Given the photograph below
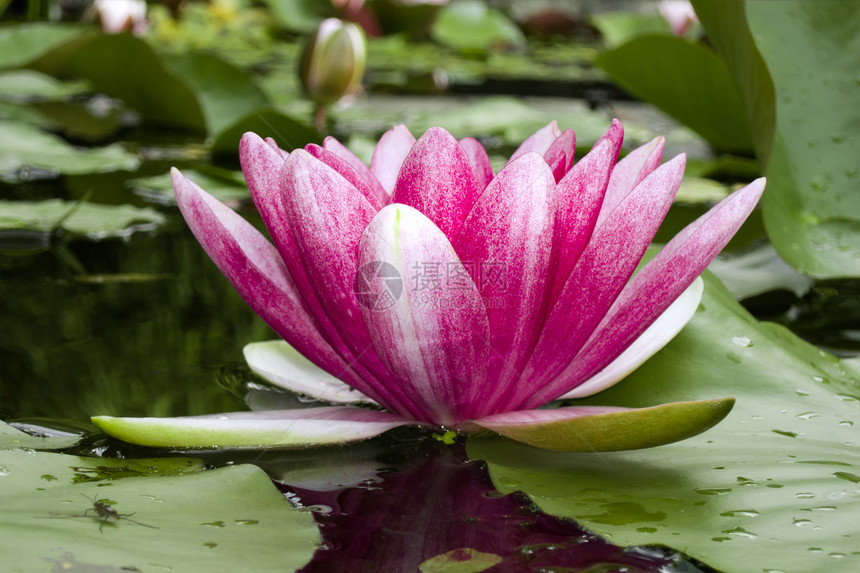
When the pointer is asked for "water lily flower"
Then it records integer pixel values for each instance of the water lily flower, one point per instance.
(679, 14)
(447, 295)
(118, 16)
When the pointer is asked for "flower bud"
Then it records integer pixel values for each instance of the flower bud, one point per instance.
(118, 16)
(332, 63)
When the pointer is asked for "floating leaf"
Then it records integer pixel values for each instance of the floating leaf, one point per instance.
(618, 28)
(728, 32)
(184, 519)
(21, 44)
(464, 560)
(812, 207)
(767, 489)
(126, 67)
(225, 92)
(14, 439)
(299, 15)
(287, 132)
(27, 85)
(227, 186)
(24, 147)
(90, 220)
(470, 25)
(688, 81)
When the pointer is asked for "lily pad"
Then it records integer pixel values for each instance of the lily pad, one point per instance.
(24, 147)
(774, 487)
(127, 68)
(299, 15)
(287, 132)
(183, 519)
(14, 439)
(21, 44)
(812, 208)
(90, 220)
(728, 31)
(617, 28)
(688, 81)
(24, 85)
(470, 25)
(225, 185)
(225, 92)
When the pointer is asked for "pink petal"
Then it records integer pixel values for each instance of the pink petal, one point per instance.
(629, 172)
(287, 429)
(479, 159)
(539, 141)
(607, 429)
(433, 337)
(659, 283)
(262, 166)
(343, 167)
(390, 152)
(655, 337)
(344, 153)
(615, 134)
(327, 215)
(601, 272)
(256, 271)
(273, 144)
(560, 154)
(580, 195)
(505, 244)
(437, 179)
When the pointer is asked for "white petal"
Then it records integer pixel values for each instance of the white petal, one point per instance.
(283, 366)
(658, 335)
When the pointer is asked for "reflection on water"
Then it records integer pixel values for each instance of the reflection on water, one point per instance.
(424, 507)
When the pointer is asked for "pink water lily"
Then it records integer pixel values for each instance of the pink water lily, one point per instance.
(452, 296)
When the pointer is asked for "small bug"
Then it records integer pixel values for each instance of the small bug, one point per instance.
(107, 512)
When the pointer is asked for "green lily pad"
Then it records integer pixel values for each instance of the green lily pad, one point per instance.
(299, 15)
(618, 28)
(464, 560)
(812, 207)
(127, 68)
(14, 439)
(225, 92)
(287, 132)
(183, 519)
(470, 25)
(21, 44)
(688, 81)
(90, 220)
(225, 185)
(774, 487)
(728, 32)
(18, 85)
(698, 190)
(511, 119)
(25, 147)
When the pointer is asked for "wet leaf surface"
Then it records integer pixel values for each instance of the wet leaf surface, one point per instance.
(162, 514)
(766, 489)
